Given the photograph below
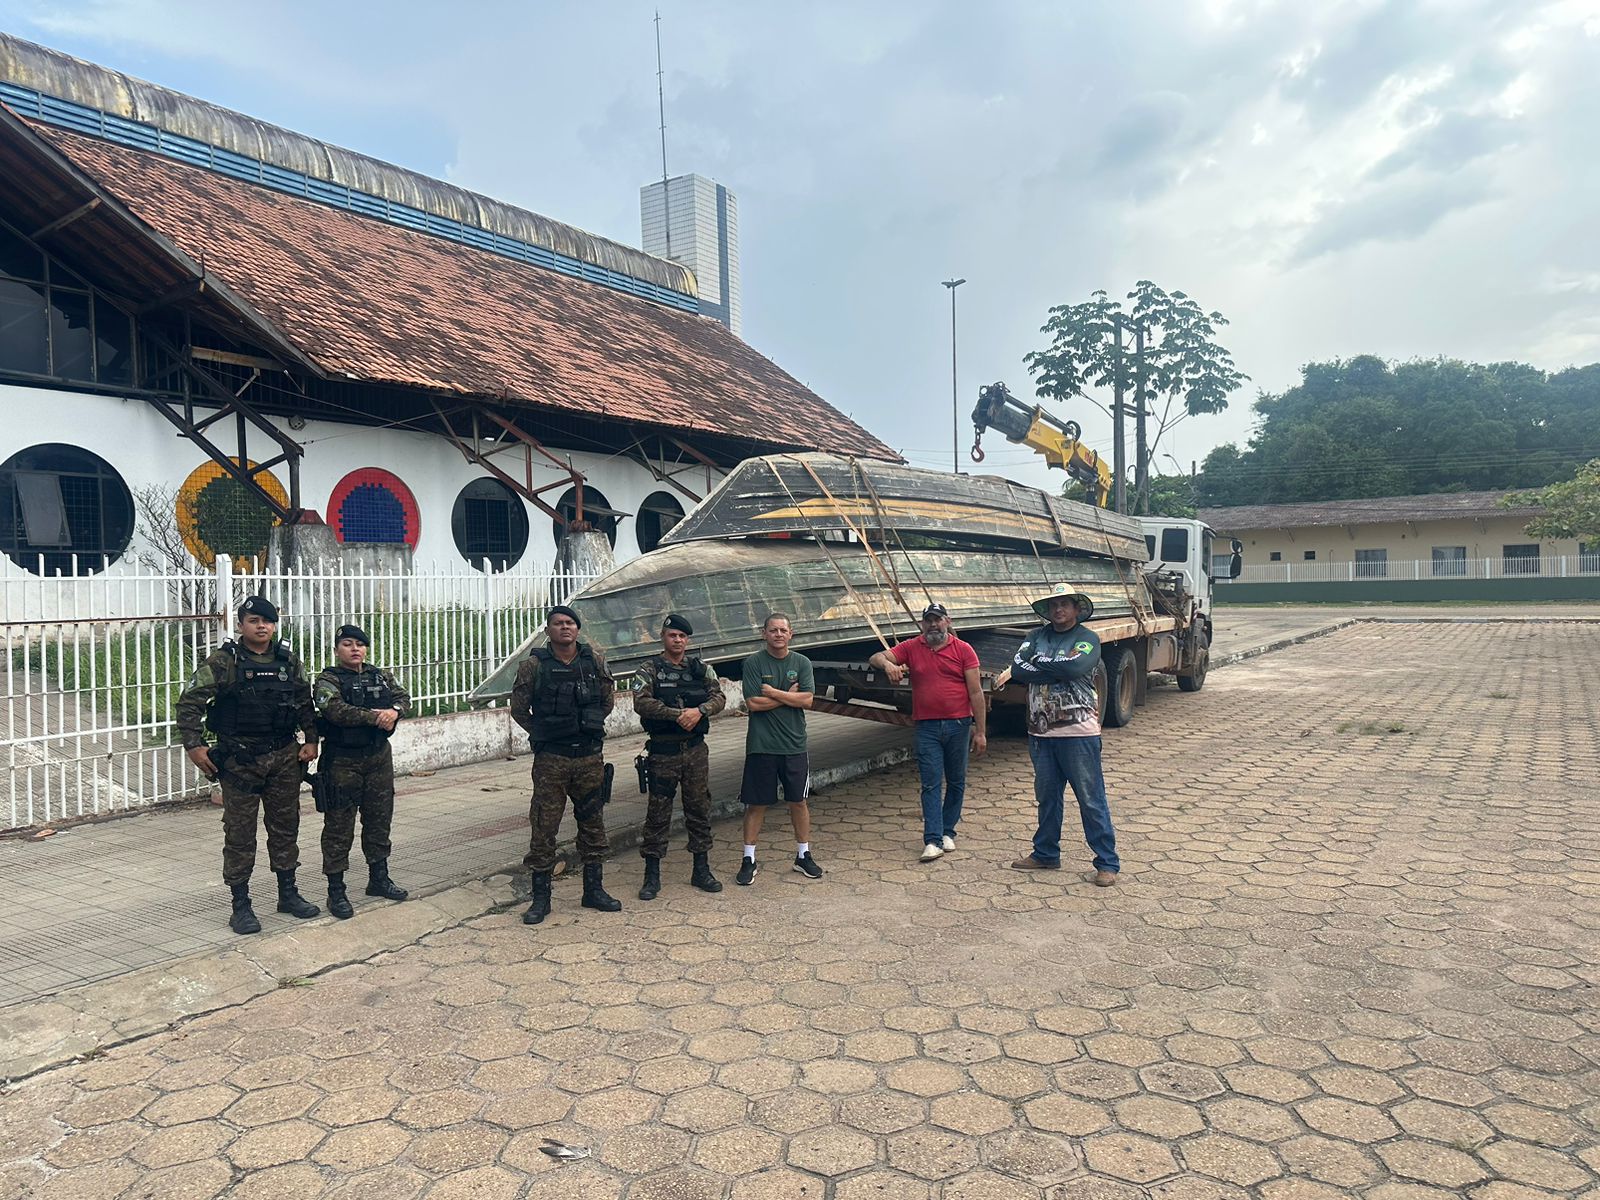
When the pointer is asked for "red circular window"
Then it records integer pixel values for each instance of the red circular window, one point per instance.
(373, 505)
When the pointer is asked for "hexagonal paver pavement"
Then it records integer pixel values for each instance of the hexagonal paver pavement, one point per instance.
(1347, 957)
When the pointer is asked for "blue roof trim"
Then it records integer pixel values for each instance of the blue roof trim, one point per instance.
(112, 128)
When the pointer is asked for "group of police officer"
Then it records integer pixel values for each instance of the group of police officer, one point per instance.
(268, 722)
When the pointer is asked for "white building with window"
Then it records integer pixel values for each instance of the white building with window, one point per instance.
(255, 328)
(695, 221)
(1446, 539)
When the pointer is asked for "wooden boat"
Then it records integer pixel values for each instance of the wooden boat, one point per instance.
(893, 504)
(852, 552)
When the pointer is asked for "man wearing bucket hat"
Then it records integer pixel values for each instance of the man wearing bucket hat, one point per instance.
(1057, 662)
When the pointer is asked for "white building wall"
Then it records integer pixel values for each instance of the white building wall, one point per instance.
(145, 449)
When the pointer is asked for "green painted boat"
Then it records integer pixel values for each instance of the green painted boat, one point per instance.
(811, 565)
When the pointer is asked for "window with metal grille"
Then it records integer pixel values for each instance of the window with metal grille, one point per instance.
(53, 324)
(597, 511)
(1449, 560)
(63, 510)
(1521, 559)
(1372, 564)
(489, 523)
(657, 515)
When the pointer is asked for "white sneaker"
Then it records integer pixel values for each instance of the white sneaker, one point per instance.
(931, 852)
(949, 842)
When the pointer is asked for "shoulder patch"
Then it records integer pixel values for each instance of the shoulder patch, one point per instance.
(1083, 647)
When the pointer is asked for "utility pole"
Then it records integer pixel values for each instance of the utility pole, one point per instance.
(955, 395)
(1119, 453)
(1141, 467)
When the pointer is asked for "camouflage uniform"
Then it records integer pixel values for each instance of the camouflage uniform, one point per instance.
(360, 779)
(255, 771)
(677, 758)
(561, 772)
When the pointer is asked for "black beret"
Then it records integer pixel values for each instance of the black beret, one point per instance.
(352, 631)
(258, 606)
(563, 610)
(674, 621)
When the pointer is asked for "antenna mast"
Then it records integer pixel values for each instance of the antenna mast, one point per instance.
(661, 103)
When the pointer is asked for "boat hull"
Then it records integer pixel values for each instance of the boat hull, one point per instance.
(891, 504)
(832, 595)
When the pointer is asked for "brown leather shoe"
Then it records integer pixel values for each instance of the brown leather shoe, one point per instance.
(1104, 878)
(1033, 864)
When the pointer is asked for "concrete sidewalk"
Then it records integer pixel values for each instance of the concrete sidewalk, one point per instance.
(101, 900)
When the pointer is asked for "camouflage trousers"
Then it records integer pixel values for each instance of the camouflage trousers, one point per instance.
(688, 769)
(364, 784)
(269, 783)
(555, 781)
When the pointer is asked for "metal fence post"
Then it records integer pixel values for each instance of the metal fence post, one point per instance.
(493, 658)
(224, 571)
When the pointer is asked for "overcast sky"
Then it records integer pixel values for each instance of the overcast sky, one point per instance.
(1399, 178)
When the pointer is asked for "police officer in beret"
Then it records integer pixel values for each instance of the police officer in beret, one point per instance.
(675, 697)
(358, 706)
(253, 695)
(562, 696)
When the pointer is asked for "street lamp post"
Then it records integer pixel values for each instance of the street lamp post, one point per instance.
(955, 395)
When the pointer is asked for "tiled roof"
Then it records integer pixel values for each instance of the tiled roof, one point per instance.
(365, 300)
(1441, 506)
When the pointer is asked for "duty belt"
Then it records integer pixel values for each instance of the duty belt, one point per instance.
(667, 747)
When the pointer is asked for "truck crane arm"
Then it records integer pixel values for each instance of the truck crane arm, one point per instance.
(1056, 440)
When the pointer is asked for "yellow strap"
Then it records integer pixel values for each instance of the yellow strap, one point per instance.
(843, 578)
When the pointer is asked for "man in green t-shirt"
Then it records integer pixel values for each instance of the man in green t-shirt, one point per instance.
(777, 691)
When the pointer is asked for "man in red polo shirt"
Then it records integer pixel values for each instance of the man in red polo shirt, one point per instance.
(948, 706)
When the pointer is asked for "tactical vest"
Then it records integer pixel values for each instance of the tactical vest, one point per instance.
(358, 689)
(568, 709)
(261, 701)
(682, 686)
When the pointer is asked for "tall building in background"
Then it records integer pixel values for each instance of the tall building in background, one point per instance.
(705, 238)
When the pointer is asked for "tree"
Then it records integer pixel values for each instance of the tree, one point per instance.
(1362, 427)
(1162, 349)
(1571, 508)
(1170, 495)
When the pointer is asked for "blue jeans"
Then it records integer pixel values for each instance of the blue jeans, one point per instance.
(942, 748)
(1057, 763)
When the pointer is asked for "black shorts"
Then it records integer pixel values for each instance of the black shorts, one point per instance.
(764, 773)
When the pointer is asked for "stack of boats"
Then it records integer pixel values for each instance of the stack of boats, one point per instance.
(851, 550)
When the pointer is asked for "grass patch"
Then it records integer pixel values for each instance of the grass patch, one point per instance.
(1371, 728)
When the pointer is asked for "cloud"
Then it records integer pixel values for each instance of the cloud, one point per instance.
(1335, 178)
(1403, 209)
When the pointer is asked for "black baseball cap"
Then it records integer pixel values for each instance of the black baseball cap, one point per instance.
(935, 610)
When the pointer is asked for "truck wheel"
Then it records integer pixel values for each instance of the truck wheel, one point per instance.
(1100, 690)
(1122, 672)
(1196, 679)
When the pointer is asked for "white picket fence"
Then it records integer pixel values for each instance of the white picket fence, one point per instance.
(94, 663)
(1549, 567)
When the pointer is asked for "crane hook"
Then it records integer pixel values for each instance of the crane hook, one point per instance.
(977, 448)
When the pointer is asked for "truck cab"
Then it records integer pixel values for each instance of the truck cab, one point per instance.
(1190, 547)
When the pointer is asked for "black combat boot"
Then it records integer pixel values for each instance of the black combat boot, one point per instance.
(702, 877)
(379, 883)
(540, 908)
(594, 895)
(338, 898)
(244, 918)
(651, 887)
(291, 901)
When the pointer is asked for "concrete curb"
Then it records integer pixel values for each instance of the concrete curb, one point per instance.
(38, 1035)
